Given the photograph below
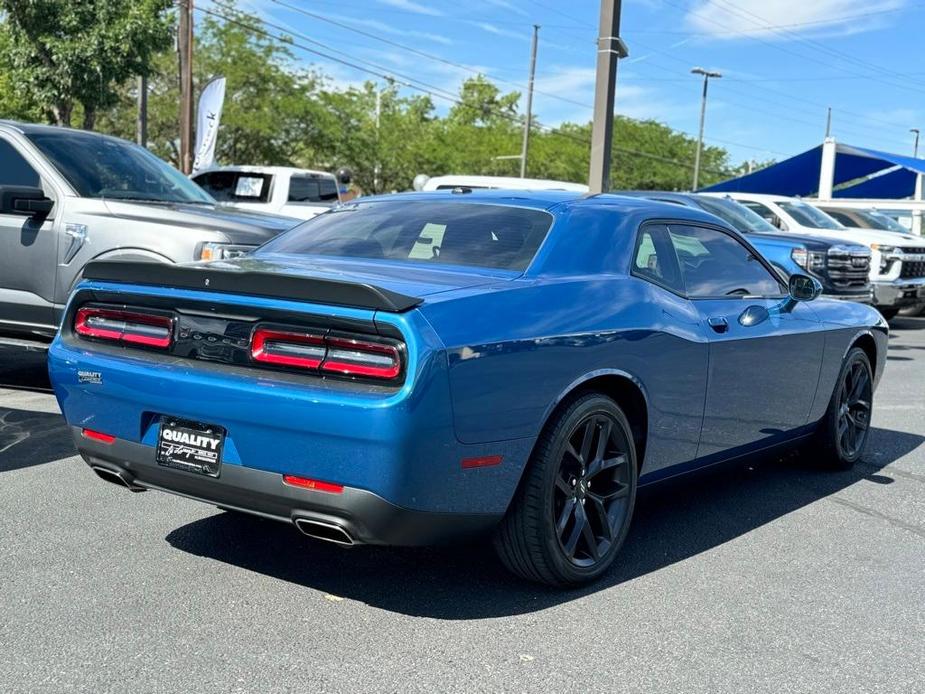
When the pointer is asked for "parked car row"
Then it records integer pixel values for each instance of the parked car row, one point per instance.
(897, 270)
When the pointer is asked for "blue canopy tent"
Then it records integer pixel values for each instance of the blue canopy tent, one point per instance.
(871, 173)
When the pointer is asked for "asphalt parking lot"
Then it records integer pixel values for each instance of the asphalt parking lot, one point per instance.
(770, 577)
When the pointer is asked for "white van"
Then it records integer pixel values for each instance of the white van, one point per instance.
(501, 182)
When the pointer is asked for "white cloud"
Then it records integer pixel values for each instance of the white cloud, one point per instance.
(509, 6)
(412, 6)
(498, 31)
(749, 18)
(385, 28)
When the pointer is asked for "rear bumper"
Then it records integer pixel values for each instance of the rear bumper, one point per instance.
(900, 293)
(366, 517)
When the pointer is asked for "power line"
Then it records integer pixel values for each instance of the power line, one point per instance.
(248, 26)
(418, 52)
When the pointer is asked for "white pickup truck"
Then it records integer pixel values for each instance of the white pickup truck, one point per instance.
(298, 193)
(897, 264)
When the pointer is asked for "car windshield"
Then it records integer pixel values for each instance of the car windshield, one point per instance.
(491, 236)
(878, 220)
(738, 216)
(104, 167)
(808, 216)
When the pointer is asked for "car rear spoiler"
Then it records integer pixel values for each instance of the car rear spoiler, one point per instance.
(268, 284)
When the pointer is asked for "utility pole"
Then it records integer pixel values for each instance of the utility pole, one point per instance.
(610, 48)
(529, 122)
(915, 147)
(828, 123)
(141, 127)
(707, 74)
(185, 49)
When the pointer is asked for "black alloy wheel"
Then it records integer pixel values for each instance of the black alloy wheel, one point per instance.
(854, 401)
(590, 501)
(845, 429)
(572, 510)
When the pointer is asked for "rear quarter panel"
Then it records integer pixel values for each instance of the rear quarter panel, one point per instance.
(514, 354)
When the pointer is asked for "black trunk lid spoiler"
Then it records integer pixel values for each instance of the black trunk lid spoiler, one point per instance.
(266, 284)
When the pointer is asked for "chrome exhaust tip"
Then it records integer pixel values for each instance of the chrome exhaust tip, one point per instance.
(114, 477)
(329, 532)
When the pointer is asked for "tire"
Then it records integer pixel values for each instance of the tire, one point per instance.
(887, 312)
(555, 530)
(845, 428)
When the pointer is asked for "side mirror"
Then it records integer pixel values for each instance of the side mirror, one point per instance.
(804, 287)
(24, 200)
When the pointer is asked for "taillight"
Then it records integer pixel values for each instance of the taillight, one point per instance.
(124, 326)
(353, 357)
(339, 354)
(284, 348)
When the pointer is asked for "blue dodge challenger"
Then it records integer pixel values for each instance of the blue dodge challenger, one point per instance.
(415, 368)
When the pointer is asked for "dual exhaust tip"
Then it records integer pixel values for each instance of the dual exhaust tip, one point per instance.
(319, 530)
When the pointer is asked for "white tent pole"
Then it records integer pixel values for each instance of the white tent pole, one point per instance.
(827, 169)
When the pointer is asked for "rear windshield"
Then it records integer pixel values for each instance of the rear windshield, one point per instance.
(491, 236)
(316, 189)
(236, 186)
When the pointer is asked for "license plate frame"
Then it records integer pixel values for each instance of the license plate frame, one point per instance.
(193, 447)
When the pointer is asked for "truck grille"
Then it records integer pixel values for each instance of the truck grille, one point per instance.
(913, 268)
(848, 267)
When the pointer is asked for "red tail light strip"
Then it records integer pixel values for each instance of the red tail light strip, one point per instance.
(360, 358)
(304, 350)
(317, 485)
(334, 354)
(97, 436)
(124, 326)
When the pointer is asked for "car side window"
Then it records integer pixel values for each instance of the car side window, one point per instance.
(14, 169)
(763, 211)
(654, 258)
(715, 264)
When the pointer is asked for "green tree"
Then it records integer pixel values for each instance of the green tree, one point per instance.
(271, 111)
(65, 52)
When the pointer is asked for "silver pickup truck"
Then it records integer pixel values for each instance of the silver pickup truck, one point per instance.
(68, 197)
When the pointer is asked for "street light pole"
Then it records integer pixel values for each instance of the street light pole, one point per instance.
(707, 74)
(529, 121)
(610, 48)
(915, 147)
(185, 47)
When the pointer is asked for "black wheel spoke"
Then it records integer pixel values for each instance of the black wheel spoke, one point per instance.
(564, 486)
(588, 533)
(601, 510)
(587, 439)
(571, 544)
(567, 511)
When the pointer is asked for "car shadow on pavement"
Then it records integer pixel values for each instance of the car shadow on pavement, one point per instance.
(673, 522)
(30, 438)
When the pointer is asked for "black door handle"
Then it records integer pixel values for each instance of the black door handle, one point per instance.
(718, 323)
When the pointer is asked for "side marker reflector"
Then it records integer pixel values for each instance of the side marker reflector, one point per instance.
(317, 485)
(483, 461)
(97, 436)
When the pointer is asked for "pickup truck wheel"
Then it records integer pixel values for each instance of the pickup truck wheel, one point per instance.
(573, 508)
(845, 428)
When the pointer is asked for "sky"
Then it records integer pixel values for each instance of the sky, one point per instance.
(783, 62)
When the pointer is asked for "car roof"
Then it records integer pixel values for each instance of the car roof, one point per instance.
(556, 201)
(760, 197)
(36, 128)
(266, 169)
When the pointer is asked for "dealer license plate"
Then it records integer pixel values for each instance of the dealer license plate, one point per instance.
(190, 446)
